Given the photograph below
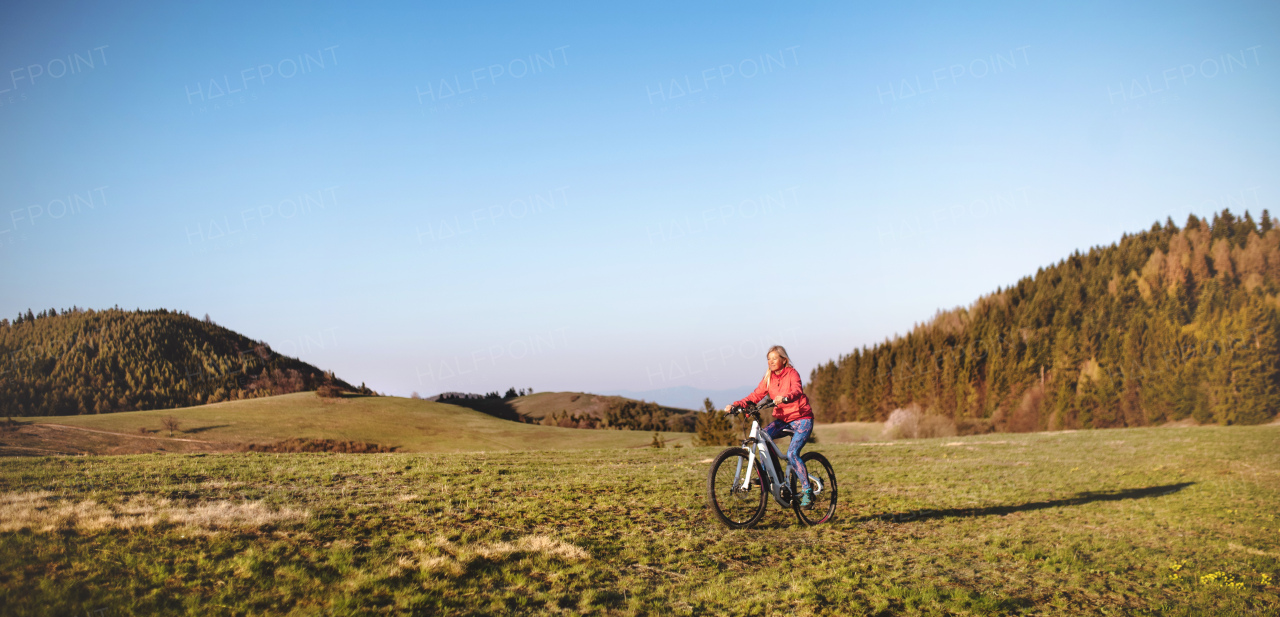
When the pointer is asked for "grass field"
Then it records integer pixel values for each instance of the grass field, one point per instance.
(1161, 521)
(409, 425)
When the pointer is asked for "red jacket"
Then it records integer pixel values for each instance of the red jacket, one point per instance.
(785, 382)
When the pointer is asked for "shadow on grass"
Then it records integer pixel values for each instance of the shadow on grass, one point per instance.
(201, 429)
(497, 407)
(1079, 500)
(10, 424)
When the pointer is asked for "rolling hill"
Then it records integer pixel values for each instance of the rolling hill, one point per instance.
(82, 361)
(407, 425)
(543, 404)
(585, 410)
(575, 410)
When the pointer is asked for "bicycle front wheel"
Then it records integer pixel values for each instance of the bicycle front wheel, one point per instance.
(822, 479)
(737, 507)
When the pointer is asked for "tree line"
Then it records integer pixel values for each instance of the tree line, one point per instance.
(630, 415)
(1167, 324)
(620, 414)
(82, 361)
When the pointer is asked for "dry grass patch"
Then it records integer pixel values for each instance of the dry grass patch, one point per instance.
(456, 557)
(42, 511)
(1250, 550)
(221, 484)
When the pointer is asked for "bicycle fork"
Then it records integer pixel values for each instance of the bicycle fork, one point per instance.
(777, 483)
(751, 463)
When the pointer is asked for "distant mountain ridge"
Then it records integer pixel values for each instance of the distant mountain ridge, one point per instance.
(82, 361)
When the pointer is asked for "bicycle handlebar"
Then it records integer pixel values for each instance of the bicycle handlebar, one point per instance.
(758, 407)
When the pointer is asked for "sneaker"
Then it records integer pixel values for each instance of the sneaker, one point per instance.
(806, 498)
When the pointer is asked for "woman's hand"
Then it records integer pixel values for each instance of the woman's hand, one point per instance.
(728, 408)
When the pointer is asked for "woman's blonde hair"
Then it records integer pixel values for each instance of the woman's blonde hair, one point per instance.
(782, 353)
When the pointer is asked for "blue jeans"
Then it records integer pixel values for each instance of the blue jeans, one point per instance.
(801, 428)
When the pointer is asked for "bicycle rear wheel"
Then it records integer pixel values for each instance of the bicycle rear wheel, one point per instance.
(735, 506)
(822, 478)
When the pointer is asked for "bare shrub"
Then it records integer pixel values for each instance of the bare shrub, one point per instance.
(936, 426)
(975, 426)
(329, 391)
(999, 419)
(170, 424)
(911, 423)
(1026, 418)
(903, 423)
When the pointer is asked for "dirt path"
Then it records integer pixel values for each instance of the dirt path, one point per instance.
(22, 450)
(46, 439)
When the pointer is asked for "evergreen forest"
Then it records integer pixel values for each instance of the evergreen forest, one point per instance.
(82, 361)
(1169, 324)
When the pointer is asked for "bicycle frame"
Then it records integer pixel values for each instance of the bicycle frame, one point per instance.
(779, 476)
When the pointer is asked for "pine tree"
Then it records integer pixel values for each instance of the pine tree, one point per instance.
(714, 428)
(1251, 394)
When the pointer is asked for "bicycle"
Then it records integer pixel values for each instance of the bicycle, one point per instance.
(739, 482)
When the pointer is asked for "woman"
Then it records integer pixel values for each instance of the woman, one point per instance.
(782, 384)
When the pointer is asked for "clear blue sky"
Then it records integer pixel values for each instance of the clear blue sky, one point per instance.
(589, 197)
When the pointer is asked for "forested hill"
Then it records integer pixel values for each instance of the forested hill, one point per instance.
(85, 361)
(1167, 324)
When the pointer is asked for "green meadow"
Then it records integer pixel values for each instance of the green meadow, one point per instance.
(1155, 521)
(407, 425)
